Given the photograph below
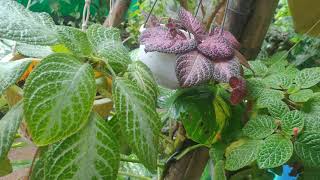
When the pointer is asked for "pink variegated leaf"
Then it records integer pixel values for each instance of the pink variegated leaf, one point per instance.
(193, 69)
(166, 40)
(216, 47)
(192, 24)
(228, 36)
(224, 70)
(239, 90)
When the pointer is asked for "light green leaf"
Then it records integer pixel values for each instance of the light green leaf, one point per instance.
(91, 153)
(75, 40)
(138, 114)
(142, 76)
(268, 97)
(255, 87)
(11, 72)
(134, 54)
(275, 151)
(242, 153)
(5, 166)
(307, 147)
(34, 51)
(279, 80)
(107, 44)
(24, 26)
(9, 125)
(308, 77)
(278, 108)
(219, 172)
(279, 56)
(260, 127)
(58, 98)
(292, 119)
(258, 67)
(279, 66)
(311, 123)
(302, 96)
(216, 151)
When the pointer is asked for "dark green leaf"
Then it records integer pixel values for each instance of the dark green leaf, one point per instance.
(268, 97)
(58, 98)
(278, 109)
(291, 120)
(219, 172)
(275, 151)
(307, 147)
(5, 166)
(260, 127)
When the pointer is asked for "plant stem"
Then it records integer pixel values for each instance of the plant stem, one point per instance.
(189, 149)
(111, 70)
(33, 161)
(224, 18)
(133, 175)
(154, 4)
(125, 159)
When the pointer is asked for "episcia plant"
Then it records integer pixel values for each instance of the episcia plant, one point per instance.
(86, 105)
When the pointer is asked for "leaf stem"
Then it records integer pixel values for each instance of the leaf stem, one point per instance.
(111, 70)
(189, 149)
(131, 160)
(133, 175)
(33, 161)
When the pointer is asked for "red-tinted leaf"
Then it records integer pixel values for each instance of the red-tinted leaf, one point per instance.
(239, 91)
(224, 70)
(162, 39)
(216, 47)
(192, 24)
(228, 35)
(193, 69)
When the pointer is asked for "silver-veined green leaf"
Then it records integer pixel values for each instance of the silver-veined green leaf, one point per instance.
(107, 44)
(75, 40)
(58, 98)
(307, 147)
(277, 108)
(275, 151)
(9, 125)
(302, 96)
(24, 26)
(308, 77)
(138, 114)
(242, 153)
(91, 153)
(291, 120)
(268, 96)
(34, 51)
(142, 76)
(260, 127)
(11, 72)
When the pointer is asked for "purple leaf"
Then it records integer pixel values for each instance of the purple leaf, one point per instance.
(192, 24)
(224, 70)
(166, 40)
(216, 47)
(228, 36)
(239, 90)
(193, 69)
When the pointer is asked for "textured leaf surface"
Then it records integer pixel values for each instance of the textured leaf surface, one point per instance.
(219, 171)
(308, 77)
(277, 109)
(10, 73)
(91, 153)
(35, 51)
(75, 40)
(242, 153)
(191, 23)
(292, 119)
(228, 36)
(193, 69)
(139, 73)
(162, 40)
(279, 80)
(259, 68)
(268, 97)
(217, 48)
(25, 26)
(302, 96)
(58, 98)
(224, 70)
(275, 151)
(138, 114)
(260, 127)
(107, 44)
(9, 125)
(239, 89)
(307, 148)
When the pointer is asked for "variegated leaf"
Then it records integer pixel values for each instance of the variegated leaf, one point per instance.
(224, 70)
(193, 69)
(217, 48)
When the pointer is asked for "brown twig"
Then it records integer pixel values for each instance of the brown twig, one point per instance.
(214, 13)
(33, 161)
(184, 4)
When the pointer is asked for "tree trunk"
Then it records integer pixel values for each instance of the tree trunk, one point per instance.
(117, 13)
(190, 166)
